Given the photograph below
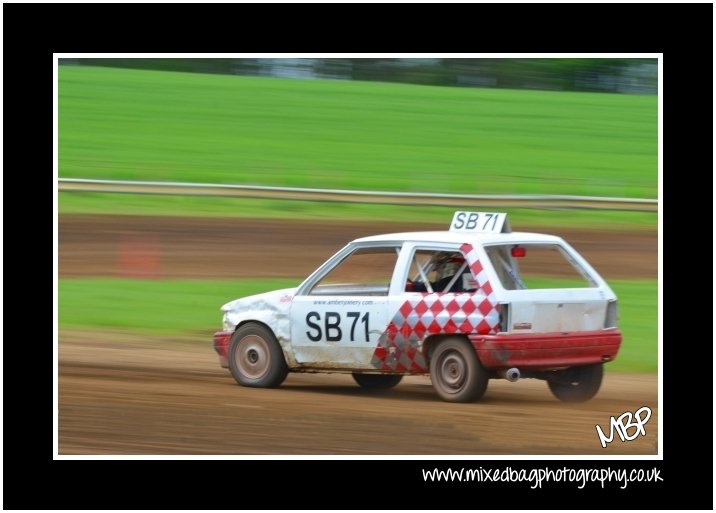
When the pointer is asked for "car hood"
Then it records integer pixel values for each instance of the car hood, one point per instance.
(274, 300)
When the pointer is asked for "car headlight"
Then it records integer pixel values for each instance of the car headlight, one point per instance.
(228, 326)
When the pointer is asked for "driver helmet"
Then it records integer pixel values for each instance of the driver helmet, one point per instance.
(447, 264)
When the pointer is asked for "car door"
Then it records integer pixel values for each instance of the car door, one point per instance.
(339, 315)
(427, 298)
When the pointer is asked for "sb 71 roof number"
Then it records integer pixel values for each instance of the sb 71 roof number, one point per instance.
(482, 222)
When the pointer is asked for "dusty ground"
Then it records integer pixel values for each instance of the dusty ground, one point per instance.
(125, 394)
(129, 395)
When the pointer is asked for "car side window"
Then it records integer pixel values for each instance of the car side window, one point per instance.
(438, 271)
(537, 266)
(364, 272)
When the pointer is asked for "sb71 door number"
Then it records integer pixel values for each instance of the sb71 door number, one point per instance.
(331, 326)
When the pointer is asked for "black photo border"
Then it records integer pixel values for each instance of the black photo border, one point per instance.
(33, 32)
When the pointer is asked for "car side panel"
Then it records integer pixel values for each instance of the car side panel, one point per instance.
(337, 332)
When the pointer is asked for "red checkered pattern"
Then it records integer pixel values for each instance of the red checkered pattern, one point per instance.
(400, 346)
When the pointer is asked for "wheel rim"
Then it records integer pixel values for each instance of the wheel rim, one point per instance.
(452, 372)
(252, 356)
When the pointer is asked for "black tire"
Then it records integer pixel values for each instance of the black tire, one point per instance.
(456, 373)
(377, 381)
(256, 358)
(577, 384)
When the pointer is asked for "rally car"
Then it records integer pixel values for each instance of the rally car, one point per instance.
(474, 303)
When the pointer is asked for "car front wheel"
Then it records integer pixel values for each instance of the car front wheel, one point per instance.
(577, 384)
(256, 358)
(456, 373)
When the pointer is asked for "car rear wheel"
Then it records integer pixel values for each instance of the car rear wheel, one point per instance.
(577, 384)
(456, 373)
(256, 358)
(377, 381)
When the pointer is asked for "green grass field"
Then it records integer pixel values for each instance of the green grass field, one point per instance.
(155, 125)
(189, 307)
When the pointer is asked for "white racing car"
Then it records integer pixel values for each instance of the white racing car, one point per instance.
(465, 306)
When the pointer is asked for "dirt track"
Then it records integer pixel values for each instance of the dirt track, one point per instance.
(247, 248)
(124, 394)
(130, 395)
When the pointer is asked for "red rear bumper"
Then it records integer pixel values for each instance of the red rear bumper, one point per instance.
(547, 350)
(221, 346)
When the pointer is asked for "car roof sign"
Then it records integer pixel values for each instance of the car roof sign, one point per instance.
(480, 222)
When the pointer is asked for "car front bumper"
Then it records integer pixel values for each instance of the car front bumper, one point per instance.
(221, 346)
